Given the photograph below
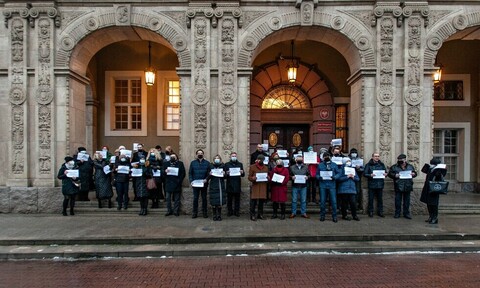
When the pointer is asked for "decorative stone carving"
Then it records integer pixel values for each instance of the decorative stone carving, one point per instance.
(275, 23)
(200, 96)
(179, 43)
(67, 43)
(337, 23)
(228, 129)
(200, 127)
(17, 96)
(91, 24)
(434, 43)
(306, 9)
(122, 14)
(155, 23)
(385, 131)
(363, 43)
(44, 95)
(250, 16)
(460, 22)
(17, 126)
(227, 96)
(228, 30)
(249, 43)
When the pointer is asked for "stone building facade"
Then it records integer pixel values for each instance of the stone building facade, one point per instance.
(53, 91)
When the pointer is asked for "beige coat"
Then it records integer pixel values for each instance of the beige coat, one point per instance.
(259, 189)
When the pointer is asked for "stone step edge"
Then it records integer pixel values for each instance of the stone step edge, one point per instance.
(234, 249)
(241, 239)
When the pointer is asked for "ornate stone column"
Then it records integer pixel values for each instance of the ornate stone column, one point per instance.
(16, 22)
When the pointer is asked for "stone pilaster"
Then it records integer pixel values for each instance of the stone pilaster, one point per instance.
(16, 21)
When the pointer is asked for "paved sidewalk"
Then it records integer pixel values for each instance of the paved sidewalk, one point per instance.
(47, 236)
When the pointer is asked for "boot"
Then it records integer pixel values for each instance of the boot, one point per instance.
(72, 204)
(260, 210)
(141, 212)
(434, 219)
(72, 212)
(219, 213)
(109, 203)
(214, 212)
(100, 204)
(282, 209)
(275, 209)
(65, 205)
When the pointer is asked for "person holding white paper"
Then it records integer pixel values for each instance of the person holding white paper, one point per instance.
(375, 184)
(347, 190)
(140, 153)
(122, 181)
(234, 172)
(173, 184)
(103, 182)
(403, 187)
(300, 174)
(140, 184)
(216, 189)
(434, 172)
(312, 181)
(85, 169)
(279, 190)
(69, 185)
(199, 170)
(357, 163)
(326, 172)
(154, 164)
(258, 192)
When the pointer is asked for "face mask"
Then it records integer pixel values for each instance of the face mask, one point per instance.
(234, 159)
(70, 164)
(279, 165)
(200, 156)
(354, 155)
(299, 162)
(260, 162)
(167, 152)
(173, 159)
(152, 154)
(82, 152)
(123, 159)
(348, 164)
(400, 162)
(276, 158)
(142, 161)
(326, 159)
(310, 150)
(217, 161)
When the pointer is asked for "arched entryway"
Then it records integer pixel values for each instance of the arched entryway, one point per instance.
(112, 105)
(315, 108)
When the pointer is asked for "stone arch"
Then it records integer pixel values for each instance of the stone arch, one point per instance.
(453, 24)
(143, 26)
(345, 34)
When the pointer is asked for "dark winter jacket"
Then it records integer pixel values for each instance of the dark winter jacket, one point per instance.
(402, 185)
(324, 166)
(103, 182)
(346, 185)
(374, 183)
(432, 175)
(199, 170)
(216, 188)
(234, 183)
(173, 183)
(69, 186)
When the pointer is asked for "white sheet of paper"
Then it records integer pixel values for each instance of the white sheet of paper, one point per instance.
(378, 174)
(441, 166)
(217, 172)
(300, 179)
(106, 169)
(172, 171)
(357, 162)
(405, 174)
(326, 175)
(337, 160)
(297, 155)
(112, 159)
(198, 183)
(83, 156)
(278, 178)
(349, 170)
(127, 153)
(286, 163)
(234, 171)
(104, 154)
(72, 173)
(282, 153)
(261, 177)
(336, 142)
(135, 146)
(157, 173)
(310, 157)
(167, 157)
(137, 172)
(123, 169)
(265, 162)
(265, 147)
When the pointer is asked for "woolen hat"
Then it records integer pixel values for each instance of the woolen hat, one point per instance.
(82, 149)
(68, 158)
(435, 161)
(402, 156)
(353, 150)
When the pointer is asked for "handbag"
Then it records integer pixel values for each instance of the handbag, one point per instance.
(438, 187)
(151, 185)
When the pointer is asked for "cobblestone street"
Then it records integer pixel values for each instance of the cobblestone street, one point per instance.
(393, 270)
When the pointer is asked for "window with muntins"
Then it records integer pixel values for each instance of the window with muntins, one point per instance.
(128, 104)
(172, 106)
(445, 147)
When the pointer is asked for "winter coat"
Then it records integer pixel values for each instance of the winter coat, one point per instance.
(295, 170)
(154, 166)
(103, 182)
(312, 168)
(279, 190)
(234, 183)
(173, 183)
(120, 177)
(346, 185)
(254, 155)
(259, 189)
(374, 183)
(69, 187)
(330, 166)
(141, 182)
(216, 189)
(402, 185)
(85, 171)
(199, 170)
(432, 175)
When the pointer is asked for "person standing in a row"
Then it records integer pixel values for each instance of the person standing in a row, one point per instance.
(199, 170)
(217, 187)
(234, 184)
(402, 174)
(279, 189)
(300, 174)
(70, 188)
(326, 172)
(103, 182)
(122, 178)
(375, 183)
(258, 192)
(347, 190)
(174, 173)
(432, 199)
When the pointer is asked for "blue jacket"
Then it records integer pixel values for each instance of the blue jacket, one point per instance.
(327, 167)
(346, 185)
(198, 170)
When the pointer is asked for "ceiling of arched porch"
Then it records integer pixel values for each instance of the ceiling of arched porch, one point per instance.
(86, 49)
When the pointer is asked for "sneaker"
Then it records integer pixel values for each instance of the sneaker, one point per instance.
(305, 216)
(292, 216)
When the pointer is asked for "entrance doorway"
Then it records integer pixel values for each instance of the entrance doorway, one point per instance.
(289, 137)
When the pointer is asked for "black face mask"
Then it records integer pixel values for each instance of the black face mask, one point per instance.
(200, 156)
(299, 162)
(173, 159)
(326, 159)
(400, 162)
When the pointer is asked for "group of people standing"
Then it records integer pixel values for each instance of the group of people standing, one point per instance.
(337, 176)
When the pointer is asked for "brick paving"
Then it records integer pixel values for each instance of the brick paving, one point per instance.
(394, 270)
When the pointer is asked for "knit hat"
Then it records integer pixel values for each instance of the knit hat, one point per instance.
(80, 149)
(310, 148)
(402, 156)
(68, 158)
(353, 150)
(434, 161)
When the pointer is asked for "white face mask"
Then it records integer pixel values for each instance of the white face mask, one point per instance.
(234, 159)
(70, 164)
(354, 155)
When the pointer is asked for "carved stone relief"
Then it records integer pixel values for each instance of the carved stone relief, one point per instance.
(306, 9)
(122, 14)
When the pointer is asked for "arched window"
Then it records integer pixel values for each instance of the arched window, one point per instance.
(286, 97)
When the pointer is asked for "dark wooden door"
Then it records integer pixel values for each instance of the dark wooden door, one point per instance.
(289, 136)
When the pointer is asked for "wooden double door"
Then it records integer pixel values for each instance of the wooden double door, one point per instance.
(288, 136)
